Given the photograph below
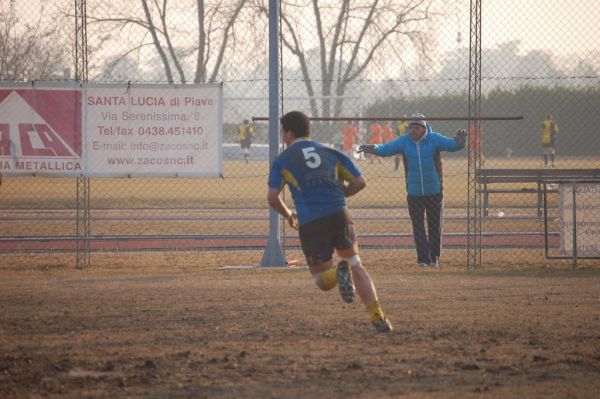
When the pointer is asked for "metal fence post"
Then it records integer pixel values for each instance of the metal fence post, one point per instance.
(83, 182)
(273, 255)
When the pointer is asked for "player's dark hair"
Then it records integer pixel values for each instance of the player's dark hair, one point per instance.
(297, 122)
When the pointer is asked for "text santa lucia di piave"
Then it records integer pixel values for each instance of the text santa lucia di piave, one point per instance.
(148, 101)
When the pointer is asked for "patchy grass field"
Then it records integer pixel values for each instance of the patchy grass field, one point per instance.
(174, 325)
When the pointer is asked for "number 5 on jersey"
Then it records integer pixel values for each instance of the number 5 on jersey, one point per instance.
(313, 160)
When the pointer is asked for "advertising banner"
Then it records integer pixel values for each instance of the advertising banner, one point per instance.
(111, 130)
(153, 130)
(41, 130)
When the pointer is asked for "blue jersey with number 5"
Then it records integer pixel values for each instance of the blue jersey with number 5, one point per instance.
(314, 174)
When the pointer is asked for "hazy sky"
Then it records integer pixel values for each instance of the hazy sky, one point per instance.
(561, 26)
(558, 25)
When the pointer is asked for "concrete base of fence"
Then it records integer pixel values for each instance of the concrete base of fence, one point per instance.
(288, 266)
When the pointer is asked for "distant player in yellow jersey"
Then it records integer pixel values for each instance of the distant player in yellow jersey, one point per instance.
(549, 131)
(246, 136)
(400, 130)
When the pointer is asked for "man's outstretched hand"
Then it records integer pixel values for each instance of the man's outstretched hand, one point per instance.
(461, 137)
(367, 148)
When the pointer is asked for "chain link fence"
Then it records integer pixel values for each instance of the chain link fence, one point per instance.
(361, 60)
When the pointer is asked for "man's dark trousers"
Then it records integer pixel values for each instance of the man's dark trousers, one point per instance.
(429, 246)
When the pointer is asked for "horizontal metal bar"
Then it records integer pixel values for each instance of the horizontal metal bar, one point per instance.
(537, 173)
(403, 118)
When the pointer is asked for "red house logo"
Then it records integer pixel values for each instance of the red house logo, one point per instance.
(41, 123)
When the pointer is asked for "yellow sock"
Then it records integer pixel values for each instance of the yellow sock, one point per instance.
(327, 279)
(374, 309)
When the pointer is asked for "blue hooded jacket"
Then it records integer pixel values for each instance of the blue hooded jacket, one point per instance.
(422, 177)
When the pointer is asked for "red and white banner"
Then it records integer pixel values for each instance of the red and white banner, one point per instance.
(111, 130)
(41, 131)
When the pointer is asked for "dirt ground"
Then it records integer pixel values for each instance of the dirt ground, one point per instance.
(176, 326)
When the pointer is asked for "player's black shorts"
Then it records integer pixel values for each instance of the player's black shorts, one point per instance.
(246, 143)
(320, 237)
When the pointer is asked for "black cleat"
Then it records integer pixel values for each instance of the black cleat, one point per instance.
(383, 325)
(345, 283)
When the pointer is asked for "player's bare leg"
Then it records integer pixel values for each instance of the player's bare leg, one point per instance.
(366, 289)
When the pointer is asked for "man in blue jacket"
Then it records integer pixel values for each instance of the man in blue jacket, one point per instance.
(423, 181)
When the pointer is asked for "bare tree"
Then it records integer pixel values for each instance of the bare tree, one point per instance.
(348, 36)
(182, 34)
(30, 48)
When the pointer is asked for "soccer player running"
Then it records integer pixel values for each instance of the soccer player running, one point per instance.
(320, 179)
